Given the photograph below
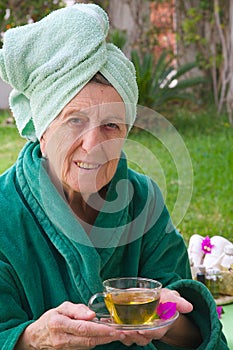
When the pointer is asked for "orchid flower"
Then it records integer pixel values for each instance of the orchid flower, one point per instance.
(219, 311)
(206, 245)
(166, 310)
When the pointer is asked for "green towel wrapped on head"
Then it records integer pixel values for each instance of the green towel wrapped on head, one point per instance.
(47, 66)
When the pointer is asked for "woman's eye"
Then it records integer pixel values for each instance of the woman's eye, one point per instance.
(75, 121)
(112, 126)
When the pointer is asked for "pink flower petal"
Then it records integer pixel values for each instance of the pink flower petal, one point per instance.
(206, 245)
(166, 310)
(219, 311)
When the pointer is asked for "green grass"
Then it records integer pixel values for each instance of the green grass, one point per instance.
(209, 141)
(10, 142)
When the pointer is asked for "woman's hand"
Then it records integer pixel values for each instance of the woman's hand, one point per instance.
(180, 333)
(67, 327)
(182, 305)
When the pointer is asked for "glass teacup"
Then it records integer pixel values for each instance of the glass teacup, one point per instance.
(129, 300)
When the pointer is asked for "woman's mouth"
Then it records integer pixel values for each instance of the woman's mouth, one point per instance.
(87, 166)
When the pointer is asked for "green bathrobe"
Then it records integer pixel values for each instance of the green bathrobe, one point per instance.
(46, 257)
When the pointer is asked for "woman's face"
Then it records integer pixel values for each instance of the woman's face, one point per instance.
(83, 144)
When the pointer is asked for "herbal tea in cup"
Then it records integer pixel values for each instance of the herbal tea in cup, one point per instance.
(131, 300)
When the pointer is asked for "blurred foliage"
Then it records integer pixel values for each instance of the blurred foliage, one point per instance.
(117, 37)
(205, 30)
(155, 76)
(193, 34)
(17, 12)
(159, 81)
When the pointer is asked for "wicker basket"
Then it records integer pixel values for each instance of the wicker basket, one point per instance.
(226, 285)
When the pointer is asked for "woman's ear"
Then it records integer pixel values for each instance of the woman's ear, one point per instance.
(43, 145)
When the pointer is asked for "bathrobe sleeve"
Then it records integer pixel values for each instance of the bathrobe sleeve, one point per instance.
(164, 257)
(13, 316)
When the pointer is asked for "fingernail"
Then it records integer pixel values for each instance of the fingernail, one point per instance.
(141, 332)
(122, 336)
(90, 313)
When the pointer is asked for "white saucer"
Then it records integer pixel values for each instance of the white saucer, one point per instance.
(155, 324)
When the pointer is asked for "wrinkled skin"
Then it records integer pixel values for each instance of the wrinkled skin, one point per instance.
(70, 326)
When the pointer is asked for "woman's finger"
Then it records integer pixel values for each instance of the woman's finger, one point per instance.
(75, 311)
(182, 305)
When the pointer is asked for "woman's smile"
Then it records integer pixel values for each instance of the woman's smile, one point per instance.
(87, 166)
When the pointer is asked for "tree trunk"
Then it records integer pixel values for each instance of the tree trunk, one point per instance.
(224, 41)
(230, 90)
(133, 18)
(187, 52)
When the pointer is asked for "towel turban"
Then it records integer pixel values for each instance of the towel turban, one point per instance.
(48, 62)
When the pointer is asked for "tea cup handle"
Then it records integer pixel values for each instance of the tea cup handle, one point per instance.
(96, 307)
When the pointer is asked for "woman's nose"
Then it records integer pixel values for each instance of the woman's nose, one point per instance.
(92, 138)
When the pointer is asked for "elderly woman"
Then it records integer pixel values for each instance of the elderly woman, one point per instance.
(72, 213)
